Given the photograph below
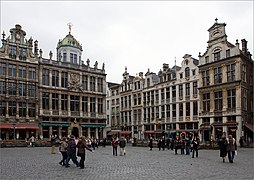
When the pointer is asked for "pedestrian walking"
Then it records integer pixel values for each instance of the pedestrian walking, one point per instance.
(195, 143)
(241, 141)
(114, 145)
(82, 146)
(231, 148)
(188, 146)
(223, 146)
(63, 150)
(122, 144)
(163, 143)
(71, 152)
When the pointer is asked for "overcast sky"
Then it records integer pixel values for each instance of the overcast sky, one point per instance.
(138, 35)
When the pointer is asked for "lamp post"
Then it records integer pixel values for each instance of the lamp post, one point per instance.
(14, 133)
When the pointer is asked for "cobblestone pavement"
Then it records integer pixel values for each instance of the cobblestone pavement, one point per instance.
(139, 163)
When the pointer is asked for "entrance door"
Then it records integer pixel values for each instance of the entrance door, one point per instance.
(75, 132)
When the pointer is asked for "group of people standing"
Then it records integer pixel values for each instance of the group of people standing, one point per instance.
(70, 148)
(227, 147)
(184, 144)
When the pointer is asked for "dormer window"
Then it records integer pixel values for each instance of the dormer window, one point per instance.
(12, 52)
(22, 53)
(207, 59)
(64, 57)
(216, 55)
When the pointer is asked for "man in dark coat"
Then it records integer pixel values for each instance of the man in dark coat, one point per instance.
(122, 144)
(71, 152)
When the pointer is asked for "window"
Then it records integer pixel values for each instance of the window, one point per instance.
(84, 104)
(167, 93)
(64, 79)
(180, 109)
(12, 88)
(173, 91)
(193, 72)
(218, 101)
(180, 91)
(206, 102)
(195, 108)
(64, 56)
(92, 104)
(31, 90)
(2, 69)
(71, 58)
(12, 108)
(135, 99)
(163, 112)
(231, 99)
(2, 87)
(217, 75)
(92, 83)
(74, 102)
(64, 102)
(31, 73)
(12, 51)
(85, 82)
(2, 108)
(100, 85)
(162, 95)
(206, 78)
(187, 89)
(187, 72)
(174, 110)
(207, 59)
(12, 70)
(148, 82)
(22, 109)
(139, 98)
(216, 55)
(195, 88)
(100, 105)
(22, 89)
(244, 73)
(54, 101)
(31, 109)
(55, 78)
(75, 59)
(45, 77)
(181, 75)
(22, 53)
(245, 99)
(227, 53)
(230, 72)
(22, 71)
(187, 108)
(45, 100)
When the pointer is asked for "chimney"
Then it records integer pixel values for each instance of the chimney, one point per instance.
(237, 44)
(244, 46)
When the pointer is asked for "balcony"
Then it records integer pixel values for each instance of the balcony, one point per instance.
(55, 112)
(74, 113)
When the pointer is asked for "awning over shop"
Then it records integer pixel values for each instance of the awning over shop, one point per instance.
(114, 132)
(55, 124)
(125, 132)
(19, 126)
(249, 126)
(93, 126)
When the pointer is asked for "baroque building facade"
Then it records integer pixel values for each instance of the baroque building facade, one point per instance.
(44, 96)
(226, 87)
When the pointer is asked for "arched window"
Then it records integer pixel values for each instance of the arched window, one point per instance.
(187, 72)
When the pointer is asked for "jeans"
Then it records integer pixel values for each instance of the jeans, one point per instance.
(187, 150)
(193, 151)
(64, 158)
(73, 157)
(231, 156)
(114, 151)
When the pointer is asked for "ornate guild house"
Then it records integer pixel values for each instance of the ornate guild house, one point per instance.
(41, 96)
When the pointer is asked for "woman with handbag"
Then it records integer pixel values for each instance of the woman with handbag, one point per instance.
(82, 146)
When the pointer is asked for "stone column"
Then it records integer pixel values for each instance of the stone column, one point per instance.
(59, 104)
(96, 133)
(69, 104)
(88, 133)
(224, 100)
(50, 103)
(50, 130)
